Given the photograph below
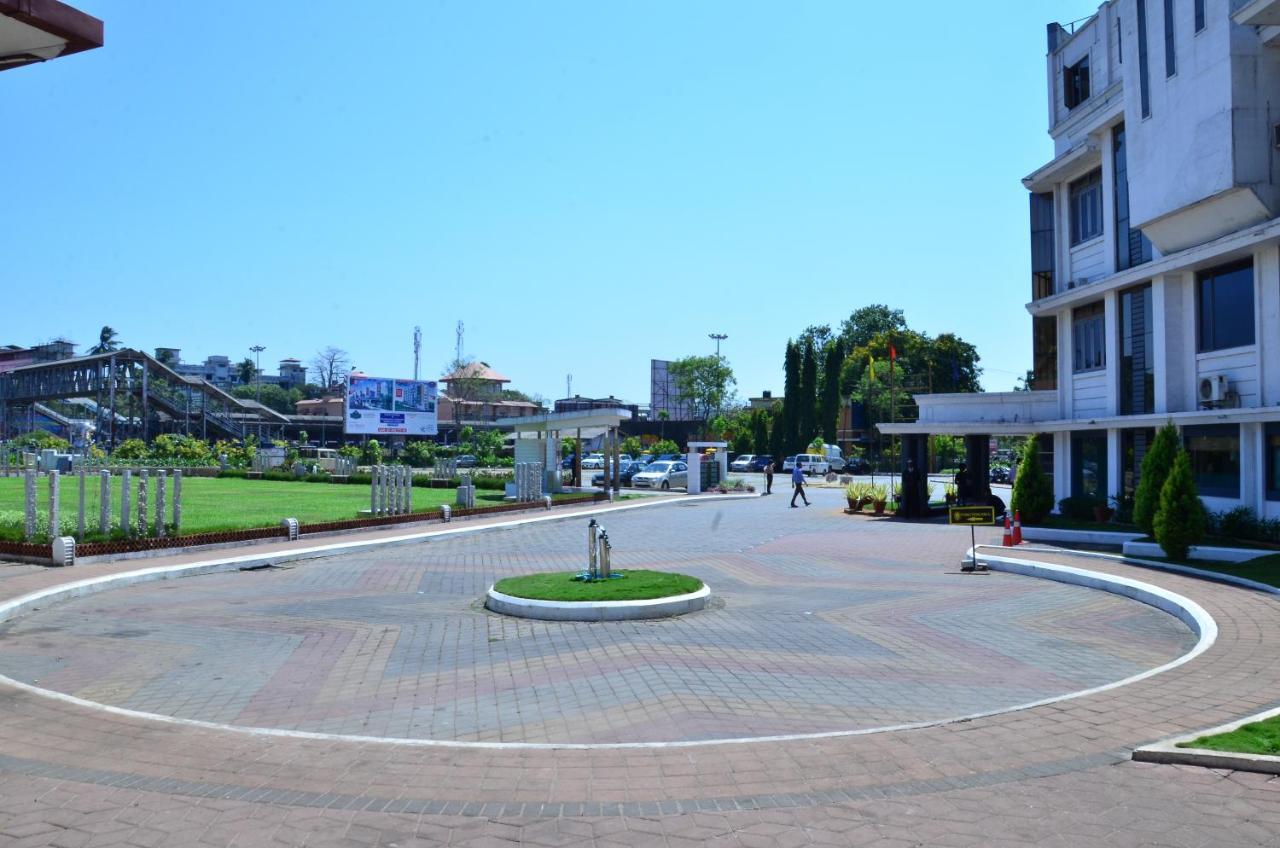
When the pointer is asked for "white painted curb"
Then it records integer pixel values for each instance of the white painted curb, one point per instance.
(1167, 752)
(597, 610)
(1208, 552)
(1078, 537)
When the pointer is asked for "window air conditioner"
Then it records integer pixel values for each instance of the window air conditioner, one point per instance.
(1213, 389)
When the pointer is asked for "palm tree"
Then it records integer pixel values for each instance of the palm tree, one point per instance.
(246, 370)
(106, 341)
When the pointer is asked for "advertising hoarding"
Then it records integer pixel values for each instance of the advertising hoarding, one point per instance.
(380, 406)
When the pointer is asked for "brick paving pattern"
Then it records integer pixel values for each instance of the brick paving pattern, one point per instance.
(1054, 775)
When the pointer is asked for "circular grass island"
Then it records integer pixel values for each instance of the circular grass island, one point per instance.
(629, 595)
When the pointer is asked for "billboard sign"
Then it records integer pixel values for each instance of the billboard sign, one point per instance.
(379, 407)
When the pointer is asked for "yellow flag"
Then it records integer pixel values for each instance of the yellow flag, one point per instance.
(871, 366)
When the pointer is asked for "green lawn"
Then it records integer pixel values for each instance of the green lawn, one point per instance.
(210, 503)
(1261, 570)
(1260, 737)
(635, 586)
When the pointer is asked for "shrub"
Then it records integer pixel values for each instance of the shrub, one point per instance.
(1079, 507)
(419, 454)
(130, 449)
(1155, 468)
(41, 440)
(371, 453)
(234, 472)
(1239, 523)
(1180, 520)
(664, 446)
(1032, 491)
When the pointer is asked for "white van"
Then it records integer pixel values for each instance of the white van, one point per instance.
(809, 463)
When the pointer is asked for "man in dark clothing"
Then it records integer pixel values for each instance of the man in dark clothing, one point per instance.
(768, 478)
(797, 480)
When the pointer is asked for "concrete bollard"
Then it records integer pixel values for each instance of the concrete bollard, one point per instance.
(126, 503)
(80, 509)
(446, 513)
(144, 483)
(593, 549)
(290, 526)
(64, 550)
(104, 502)
(408, 491)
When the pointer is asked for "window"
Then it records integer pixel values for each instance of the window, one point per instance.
(1215, 458)
(1199, 15)
(1042, 261)
(1271, 457)
(1132, 247)
(1075, 83)
(1133, 449)
(1170, 57)
(1088, 338)
(1144, 87)
(1137, 374)
(1226, 307)
(1089, 465)
(1044, 347)
(1086, 208)
(1119, 40)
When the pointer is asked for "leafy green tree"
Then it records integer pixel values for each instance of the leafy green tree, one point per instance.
(130, 449)
(867, 323)
(1032, 490)
(808, 402)
(38, 440)
(420, 454)
(1180, 520)
(788, 423)
(631, 446)
(760, 431)
(246, 371)
(169, 447)
(282, 400)
(662, 446)
(1155, 469)
(706, 381)
(371, 453)
(829, 397)
(107, 341)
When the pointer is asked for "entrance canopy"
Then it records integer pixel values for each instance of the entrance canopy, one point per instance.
(600, 420)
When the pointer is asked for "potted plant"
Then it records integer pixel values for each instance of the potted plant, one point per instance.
(1102, 511)
(878, 496)
(853, 494)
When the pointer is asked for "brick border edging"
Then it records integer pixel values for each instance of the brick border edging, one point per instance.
(531, 608)
(1167, 752)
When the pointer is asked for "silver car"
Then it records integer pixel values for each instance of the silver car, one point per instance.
(662, 475)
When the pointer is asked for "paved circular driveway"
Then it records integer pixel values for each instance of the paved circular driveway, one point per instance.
(822, 623)
(1057, 775)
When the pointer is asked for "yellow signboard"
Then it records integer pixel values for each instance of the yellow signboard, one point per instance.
(971, 515)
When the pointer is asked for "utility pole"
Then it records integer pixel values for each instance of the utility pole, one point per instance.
(718, 337)
(568, 385)
(417, 350)
(257, 380)
(458, 350)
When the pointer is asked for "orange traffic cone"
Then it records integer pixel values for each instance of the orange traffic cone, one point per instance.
(1017, 527)
(1008, 532)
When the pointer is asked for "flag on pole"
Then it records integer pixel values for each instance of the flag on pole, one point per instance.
(893, 353)
(871, 366)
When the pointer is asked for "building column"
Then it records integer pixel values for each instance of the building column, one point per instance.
(1253, 474)
(1115, 478)
(977, 450)
(694, 475)
(1061, 467)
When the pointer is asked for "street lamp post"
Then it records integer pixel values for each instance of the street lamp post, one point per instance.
(718, 337)
(257, 381)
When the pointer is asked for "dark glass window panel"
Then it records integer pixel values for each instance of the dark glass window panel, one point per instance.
(1144, 87)
(1042, 247)
(1215, 459)
(1133, 449)
(1089, 465)
(1075, 83)
(1137, 374)
(1199, 15)
(1086, 207)
(1170, 54)
(1132, 247)
(1044, 343)
(1271, 457)
(1226, 307)
(1088, 338)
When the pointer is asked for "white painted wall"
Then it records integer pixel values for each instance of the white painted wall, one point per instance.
(1239, 365)
(1088, 261)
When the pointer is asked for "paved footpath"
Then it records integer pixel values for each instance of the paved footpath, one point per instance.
(1052, 775)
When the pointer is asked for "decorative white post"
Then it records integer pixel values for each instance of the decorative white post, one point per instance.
(55, 504)
(29, 503)
(160, 511)
(144, 483)
(177, 501)
(80, 511)
(104, 502)
(408, 490)
(126, 502)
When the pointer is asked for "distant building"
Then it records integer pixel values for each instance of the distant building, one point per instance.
(328, 406)
(16, 356)
(765, 401)
(578, 403)
(664, 396)
(218, 369)
(472, 397)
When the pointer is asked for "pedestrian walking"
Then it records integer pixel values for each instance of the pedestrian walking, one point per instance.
(768, 478)
(797, 480)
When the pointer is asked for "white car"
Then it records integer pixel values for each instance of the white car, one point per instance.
(593, 460)
(810, 463)
(662, 475)
(742, 463)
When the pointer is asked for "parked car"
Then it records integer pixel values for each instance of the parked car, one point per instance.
(624, 457)
(998, 474)
(593, 460)
(759, 462)
(669, 457)
(627, 470)
(742, 463)
(662, 475)
(466, 460)
(857, 466)
(567, 462)
(644, 458)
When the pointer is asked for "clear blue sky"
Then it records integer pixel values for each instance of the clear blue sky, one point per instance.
(586, 185)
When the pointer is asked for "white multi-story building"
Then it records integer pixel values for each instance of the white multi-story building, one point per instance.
(1155, 243)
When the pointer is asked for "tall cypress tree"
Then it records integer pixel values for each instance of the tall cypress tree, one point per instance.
(808, 408)
(829, 406)
(791, 401)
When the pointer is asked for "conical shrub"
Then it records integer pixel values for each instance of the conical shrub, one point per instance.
(1032, 491)
(1180, 520)
(1155, 469)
